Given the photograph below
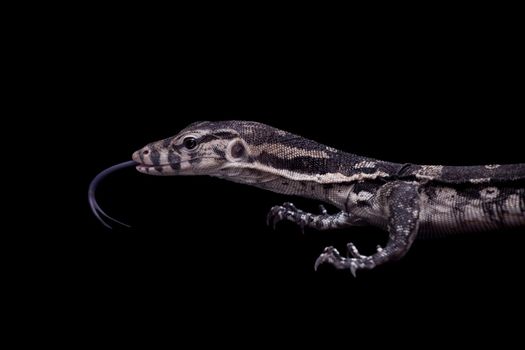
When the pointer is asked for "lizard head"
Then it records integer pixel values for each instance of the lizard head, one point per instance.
(202, 148)
(240, 151)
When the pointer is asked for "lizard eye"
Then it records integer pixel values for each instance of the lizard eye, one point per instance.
(189, 142)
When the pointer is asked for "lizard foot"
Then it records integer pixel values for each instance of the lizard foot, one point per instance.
(288, 211)
(331, 256)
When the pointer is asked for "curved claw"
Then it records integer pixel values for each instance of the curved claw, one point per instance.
(275, 215)
(269, 217)
(328, 256)
(353, 268)
(302, 225)
(321, 259)
(278, 213)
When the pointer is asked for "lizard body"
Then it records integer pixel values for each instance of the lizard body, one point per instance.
(406, 200)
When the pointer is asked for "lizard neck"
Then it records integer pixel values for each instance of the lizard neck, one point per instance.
(283, 162)
(292, 158)
(289, 164)
(333, 193)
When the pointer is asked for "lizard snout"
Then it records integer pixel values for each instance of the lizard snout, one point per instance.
(145, 156)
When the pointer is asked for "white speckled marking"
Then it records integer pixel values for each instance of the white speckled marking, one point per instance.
(489, 193)
(480, 181)
(364, 195)
(365, 164)
(492, 166)
(429, 172)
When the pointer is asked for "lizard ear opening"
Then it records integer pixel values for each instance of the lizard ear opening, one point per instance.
(236, 150)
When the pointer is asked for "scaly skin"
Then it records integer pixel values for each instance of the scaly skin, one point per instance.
(404, 199)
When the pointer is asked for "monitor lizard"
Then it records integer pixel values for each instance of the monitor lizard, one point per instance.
(407, 200)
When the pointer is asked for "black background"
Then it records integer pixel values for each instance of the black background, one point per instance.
(408, 93)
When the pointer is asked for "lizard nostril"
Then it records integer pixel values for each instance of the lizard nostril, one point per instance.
(145, 152)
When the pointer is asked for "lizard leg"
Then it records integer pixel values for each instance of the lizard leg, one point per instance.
(323, 221)
(403, 211)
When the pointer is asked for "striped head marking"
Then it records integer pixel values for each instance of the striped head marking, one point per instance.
(246, 152)
(202, 148)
